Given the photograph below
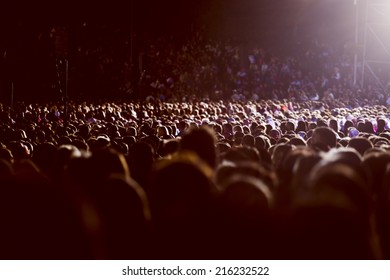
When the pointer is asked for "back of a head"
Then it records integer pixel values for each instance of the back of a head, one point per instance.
(323, 228)
(202, 142)
(248, 140)
(246, 207)
(182, 201)
(182, 184)
(369, 128)
(323, 138)
(248, 195)
(279, 154)
(301, 126)
(381, 125)
(106, 162)
(333, 220)
(302, 167)
(375, 164)
(6, 154)
(19, 150)
(65, 153)
(241, 154)
(346, 155)
(170, 147)
(360, 144)
(119, 199)
(290, 126)
(297, 141)
(334, 125)
(345, 180)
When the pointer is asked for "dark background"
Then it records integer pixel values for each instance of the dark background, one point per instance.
(28, 51)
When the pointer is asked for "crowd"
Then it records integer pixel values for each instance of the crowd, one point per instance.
(267, 179)
(105, 61)
(219, 152)
(222, 69)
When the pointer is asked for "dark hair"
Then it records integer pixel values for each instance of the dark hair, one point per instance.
(323, 138)
(360, 144)
(201, 141)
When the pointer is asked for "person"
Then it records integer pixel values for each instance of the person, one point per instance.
(323, 139)
(201, 169)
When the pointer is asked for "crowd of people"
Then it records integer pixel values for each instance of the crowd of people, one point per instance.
(227, 179)
(108, 60)
(215, 69)
(220, 151)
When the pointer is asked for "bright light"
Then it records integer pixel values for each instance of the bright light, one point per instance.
(380, 13)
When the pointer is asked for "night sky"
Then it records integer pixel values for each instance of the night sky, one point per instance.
(222, 17)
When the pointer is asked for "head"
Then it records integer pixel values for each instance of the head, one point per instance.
(202, 142)
(323, 139)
